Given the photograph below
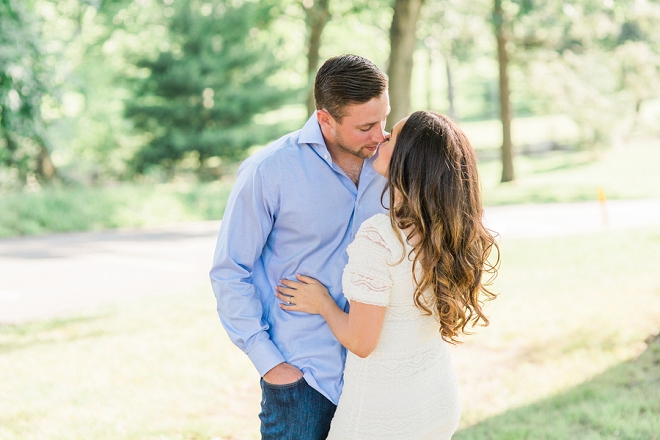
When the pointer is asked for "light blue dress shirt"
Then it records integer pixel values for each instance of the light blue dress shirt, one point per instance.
(292, 211)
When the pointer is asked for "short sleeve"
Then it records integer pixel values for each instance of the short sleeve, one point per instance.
(367, 277)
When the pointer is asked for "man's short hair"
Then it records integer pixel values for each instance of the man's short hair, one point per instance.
(346, 80)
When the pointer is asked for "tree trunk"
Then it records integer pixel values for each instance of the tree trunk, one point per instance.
(317, 17)
(505, 103)
(402, 43)
(450, 90)
(429, 80)
(45, 168)
(635, 120)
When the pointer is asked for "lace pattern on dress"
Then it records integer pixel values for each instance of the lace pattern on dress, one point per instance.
(367, 278)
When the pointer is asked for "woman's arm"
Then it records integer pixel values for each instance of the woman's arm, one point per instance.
(358, 331)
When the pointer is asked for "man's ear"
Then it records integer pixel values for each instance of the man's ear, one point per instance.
(326, 121)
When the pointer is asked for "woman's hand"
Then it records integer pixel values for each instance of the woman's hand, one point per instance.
(305, 295)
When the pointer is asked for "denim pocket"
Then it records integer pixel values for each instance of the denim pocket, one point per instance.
(294, 411)
(284, 386)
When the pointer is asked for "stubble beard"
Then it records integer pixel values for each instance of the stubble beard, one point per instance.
(360, 152)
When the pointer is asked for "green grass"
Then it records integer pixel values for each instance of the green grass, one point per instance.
(149, 369)
(487, 135)
(621, 403)
(62, 209)
(573, 312)
(623, 173)
(561, 357)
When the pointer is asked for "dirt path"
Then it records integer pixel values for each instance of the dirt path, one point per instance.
(60, 274)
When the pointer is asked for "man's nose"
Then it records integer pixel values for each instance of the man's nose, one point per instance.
(381, 135)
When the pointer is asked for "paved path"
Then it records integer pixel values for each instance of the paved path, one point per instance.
(553, 219)
(59, 274)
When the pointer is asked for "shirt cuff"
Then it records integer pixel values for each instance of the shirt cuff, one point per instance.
(265, 356)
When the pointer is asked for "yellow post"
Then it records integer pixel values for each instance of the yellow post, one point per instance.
(602, 199)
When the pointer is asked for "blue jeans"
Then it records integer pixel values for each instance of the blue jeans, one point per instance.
(294, 411)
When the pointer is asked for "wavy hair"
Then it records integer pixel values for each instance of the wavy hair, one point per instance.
(434, 192)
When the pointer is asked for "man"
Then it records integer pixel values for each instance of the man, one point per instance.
(294, 209)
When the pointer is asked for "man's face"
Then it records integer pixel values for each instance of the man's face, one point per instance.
(363, 127)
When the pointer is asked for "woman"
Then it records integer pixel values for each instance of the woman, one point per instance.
(414, 281)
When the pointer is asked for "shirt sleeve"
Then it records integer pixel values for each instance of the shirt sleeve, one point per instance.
(245, 227)
(367, 276)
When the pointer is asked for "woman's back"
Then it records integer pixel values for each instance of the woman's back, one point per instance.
(406, 388)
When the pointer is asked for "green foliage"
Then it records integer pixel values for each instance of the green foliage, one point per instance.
(108, 87)
(593, 60)
(84, 49)
(456, 29)
(22, 85)
(200, 93)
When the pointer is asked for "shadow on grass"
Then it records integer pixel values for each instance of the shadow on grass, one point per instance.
(621, 403)
(21, 336)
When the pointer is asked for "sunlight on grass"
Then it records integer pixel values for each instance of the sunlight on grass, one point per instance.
(620, 403)
(531, 130)
(142, 370)
(625, 172)
(163, 368)
(569, 308)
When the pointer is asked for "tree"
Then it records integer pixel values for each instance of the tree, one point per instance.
(452, 32)
(318, 15)
(505, 102)
(84, 124)
(22, 84)
(402, 44)
(201, 92)
(595, 61)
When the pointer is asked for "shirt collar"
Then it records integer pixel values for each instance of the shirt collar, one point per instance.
(311, 132)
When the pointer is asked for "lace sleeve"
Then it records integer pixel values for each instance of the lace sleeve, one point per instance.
(367, 277)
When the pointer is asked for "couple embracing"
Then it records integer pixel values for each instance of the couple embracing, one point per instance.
(347, 260)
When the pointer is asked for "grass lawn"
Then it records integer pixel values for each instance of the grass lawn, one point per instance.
(570, 309)
(621, 403)
(561, 357)
(625, 172)
(149, 369)
(123, 205)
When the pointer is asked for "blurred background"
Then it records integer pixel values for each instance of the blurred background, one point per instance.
(137, 113)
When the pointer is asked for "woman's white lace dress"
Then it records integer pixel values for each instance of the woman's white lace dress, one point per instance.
(406, 388)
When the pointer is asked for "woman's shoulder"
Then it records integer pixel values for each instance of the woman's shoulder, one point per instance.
(378, 222)
(379, 231)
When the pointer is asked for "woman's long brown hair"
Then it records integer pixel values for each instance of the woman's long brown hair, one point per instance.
(434, 190)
